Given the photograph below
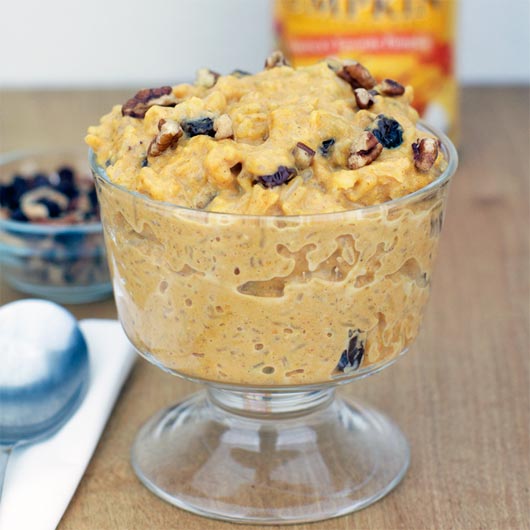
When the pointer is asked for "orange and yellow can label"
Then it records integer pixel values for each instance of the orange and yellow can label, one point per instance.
(411, 41)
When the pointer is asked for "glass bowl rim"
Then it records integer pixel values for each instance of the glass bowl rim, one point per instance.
(29, 228)
(448, 149)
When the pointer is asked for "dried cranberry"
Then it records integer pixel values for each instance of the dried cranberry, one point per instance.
(18, 215)
(199, 126)
(67, 188)
(352, 356)
(282, 176)
(240, 73)
(388, 131)
(93, 198)
(54, 210)
(66, 174)
(325, 146)
(39, 180)
(6, 195)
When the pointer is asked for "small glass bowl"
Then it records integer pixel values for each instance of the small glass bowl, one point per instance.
(64, 263)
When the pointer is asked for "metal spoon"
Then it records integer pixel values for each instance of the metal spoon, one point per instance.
(44, 373)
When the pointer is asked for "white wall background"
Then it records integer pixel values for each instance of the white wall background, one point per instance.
(56, 43)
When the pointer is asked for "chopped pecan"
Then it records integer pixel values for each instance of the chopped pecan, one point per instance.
(169, 132)
(303, 155)
(276, 58)
(357, 76)
(206, 78)
(389, 87)
(425, 152)
(138, 105)
(364, 150)
(363, 98)
(223, 127)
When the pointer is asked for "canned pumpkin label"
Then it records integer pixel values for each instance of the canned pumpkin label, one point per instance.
(411, 41)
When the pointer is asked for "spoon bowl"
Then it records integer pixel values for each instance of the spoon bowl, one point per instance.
(44, 372)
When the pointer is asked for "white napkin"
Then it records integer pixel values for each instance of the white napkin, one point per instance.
(42, 478)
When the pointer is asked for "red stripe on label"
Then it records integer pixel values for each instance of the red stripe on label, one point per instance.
(420, 43)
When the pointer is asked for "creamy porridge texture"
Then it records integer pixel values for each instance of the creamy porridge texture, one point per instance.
(309, 281)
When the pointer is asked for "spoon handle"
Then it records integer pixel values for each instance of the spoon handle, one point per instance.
(5, 453)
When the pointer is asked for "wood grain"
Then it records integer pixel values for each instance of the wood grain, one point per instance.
(461, 395)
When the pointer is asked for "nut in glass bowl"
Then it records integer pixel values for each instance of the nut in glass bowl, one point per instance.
(51, 239)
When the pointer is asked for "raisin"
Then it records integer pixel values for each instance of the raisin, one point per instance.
(352, 356)
(6, 195)
(68, 188)
(282, 176)
(199, 126)
(20, 186)
(93, 198)
(388, 131)
(40, 180)
(325, 146)
(18, 215)
(66, 174)
(240, 73)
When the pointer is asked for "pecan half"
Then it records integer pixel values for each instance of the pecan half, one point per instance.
(364, 150)
(223, 127)
(357, 76)
(363, 98)
(276, 58)
(389, 87)
(206, 78)
(138, 105)
(169, 132)
(425, 153)
(303, 155)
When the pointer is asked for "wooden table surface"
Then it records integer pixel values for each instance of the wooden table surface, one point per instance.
(462, 393)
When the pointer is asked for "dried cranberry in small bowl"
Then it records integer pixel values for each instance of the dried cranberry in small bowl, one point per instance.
(51, 238)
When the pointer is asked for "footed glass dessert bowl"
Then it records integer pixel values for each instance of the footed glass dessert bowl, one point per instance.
(271, 313)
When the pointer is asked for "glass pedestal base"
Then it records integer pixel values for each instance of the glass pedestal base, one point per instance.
(270, 458)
